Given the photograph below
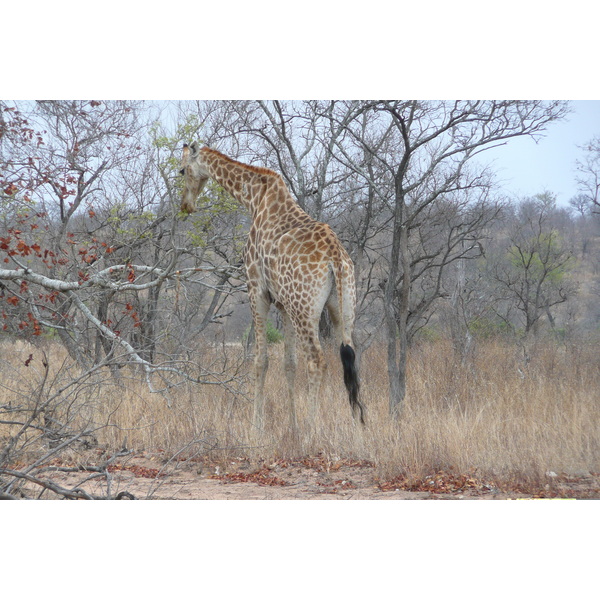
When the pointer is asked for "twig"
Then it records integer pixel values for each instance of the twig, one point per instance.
(75, 494)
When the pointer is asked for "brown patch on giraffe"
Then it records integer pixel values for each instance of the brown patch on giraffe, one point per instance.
(276, 209)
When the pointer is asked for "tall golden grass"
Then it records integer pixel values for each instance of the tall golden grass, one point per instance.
(491, 415)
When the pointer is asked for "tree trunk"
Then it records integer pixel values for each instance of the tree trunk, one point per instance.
(397, 399)
(102, 343)
(396, 310)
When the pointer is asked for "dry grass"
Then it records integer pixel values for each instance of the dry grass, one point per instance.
(492, 416)
(495, 416)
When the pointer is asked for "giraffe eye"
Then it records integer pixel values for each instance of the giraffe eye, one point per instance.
(182, 172)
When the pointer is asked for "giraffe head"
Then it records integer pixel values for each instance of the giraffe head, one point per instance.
(195, 177)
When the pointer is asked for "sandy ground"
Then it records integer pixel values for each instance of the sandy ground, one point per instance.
(147, 476)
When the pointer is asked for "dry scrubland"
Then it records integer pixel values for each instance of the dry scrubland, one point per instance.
(490, 415)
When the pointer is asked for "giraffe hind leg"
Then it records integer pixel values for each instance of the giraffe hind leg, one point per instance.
(290, 364)
(315, 366)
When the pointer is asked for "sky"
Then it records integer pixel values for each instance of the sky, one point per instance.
(527, 168)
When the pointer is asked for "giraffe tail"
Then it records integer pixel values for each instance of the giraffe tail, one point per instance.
(351, 379)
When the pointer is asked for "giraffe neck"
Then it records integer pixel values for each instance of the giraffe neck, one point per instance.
(260, 191)
(245, 183)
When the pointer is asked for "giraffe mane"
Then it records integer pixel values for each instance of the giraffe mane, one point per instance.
(259, 170)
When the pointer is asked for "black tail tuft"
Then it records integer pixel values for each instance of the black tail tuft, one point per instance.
(351, 379)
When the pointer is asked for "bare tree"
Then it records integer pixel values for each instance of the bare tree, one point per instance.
(95, 255)
(532, 267)
(588, 179)
(92, 248)
(426, 152)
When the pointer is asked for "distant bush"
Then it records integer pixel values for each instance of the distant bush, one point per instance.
(429, 333)
(484, 328)
(274, 336)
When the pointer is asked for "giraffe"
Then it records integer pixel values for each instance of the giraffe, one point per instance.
(292, 261)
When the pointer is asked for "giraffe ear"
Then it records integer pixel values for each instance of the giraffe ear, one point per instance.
(194, 148)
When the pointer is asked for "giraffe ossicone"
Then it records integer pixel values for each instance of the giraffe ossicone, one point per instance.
(292, 261)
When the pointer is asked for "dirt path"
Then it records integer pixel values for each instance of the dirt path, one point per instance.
(146, 476)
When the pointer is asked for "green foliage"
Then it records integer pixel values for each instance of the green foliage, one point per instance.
(186, 132)
(130, 226)
(214, 201)
(212, 204)
(488, 328)
(169, 146)
(542, 257)
(274, 336)
(429, 333)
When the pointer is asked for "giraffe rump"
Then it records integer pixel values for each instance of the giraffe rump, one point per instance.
(351, 379)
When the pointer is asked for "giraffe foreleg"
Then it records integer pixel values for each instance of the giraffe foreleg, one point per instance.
(260, 308)
(261, 364)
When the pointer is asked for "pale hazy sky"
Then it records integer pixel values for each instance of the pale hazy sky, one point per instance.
(527, 168)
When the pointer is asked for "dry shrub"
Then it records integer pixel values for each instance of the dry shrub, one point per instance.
(492, 415)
